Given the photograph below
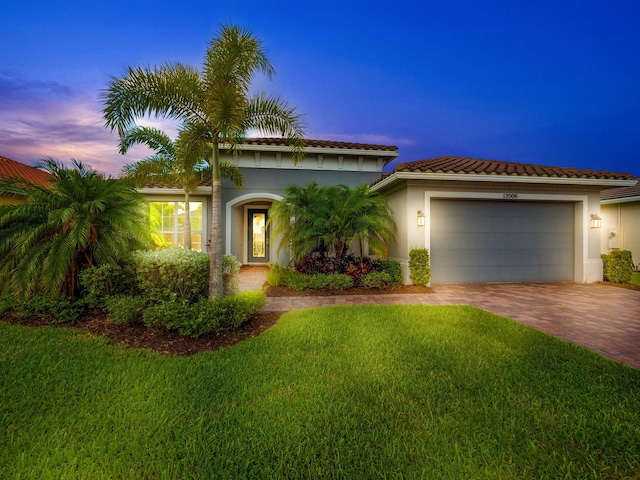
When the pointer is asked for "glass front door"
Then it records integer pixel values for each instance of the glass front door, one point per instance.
(258, 236)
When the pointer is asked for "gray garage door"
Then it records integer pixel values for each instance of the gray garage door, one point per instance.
(494, 241)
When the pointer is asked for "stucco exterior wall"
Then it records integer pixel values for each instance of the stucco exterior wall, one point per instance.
(621, 228)
(417, 194)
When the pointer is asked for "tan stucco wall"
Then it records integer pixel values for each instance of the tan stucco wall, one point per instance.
(621, 228)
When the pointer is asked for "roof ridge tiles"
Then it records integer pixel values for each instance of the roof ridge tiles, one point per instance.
(477, 166)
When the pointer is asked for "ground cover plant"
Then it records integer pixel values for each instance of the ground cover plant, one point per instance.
(342, 392)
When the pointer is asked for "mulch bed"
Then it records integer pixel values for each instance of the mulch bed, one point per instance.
(170, 343)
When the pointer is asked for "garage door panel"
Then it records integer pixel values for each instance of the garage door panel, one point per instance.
(490, 241)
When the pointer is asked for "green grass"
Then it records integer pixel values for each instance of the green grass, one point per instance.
(344, 392)
(635, 279)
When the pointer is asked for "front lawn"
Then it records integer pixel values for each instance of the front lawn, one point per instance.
(342, 392)
(635, 279)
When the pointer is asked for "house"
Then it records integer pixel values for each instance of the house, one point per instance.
(268, 170)
(620, 212)
(493, 221)
(12, 169)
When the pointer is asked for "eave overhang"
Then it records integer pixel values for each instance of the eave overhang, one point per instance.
(499, 178)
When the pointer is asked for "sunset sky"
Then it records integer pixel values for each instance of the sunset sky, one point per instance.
(546, 82)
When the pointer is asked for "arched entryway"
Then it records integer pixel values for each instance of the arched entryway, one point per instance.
(247, 235)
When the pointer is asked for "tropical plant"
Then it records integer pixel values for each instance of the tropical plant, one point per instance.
(83, 219)
(173, 163)
(215, 103)
(327, 219)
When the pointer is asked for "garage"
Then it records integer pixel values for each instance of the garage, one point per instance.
(501, 241)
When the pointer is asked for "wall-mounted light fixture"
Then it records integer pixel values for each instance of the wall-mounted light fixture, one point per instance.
(420, 218)
(596, 221)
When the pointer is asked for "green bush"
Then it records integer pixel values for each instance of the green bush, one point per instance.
(6, 303)
(125, 309)
(172, 274)
(107, 280)
(230, 274)
(217, 315)
(375, 280)
(419, 266)
(617, 266)
(300, 281)
(276, 275)
(51, 309)
(228, 313)
(179, 317)
(393, 269)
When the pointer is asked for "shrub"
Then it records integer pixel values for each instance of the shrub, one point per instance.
(393, 269)
(376, 279)
(217, 315)
(125, 309)
(106, 280)
(419, 266)
(51, 309)
(6, 303)
(617, 266)
(276, 275)
(172, 274)
(314, 264)
(337, 281)
(230, 274)
(179, 317)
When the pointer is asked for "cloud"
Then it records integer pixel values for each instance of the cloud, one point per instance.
(47, 119)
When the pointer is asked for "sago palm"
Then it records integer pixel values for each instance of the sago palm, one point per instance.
(215, 102)
(83, 219)
(181, 163)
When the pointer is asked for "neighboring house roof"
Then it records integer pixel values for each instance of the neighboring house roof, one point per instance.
(623, 192)
(446, 164)
(12, 169)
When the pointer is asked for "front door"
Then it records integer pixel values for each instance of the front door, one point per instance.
(258, 236)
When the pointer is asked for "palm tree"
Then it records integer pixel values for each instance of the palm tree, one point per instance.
(83, 219)
(173, 163)
(215, 102)
(327, 219)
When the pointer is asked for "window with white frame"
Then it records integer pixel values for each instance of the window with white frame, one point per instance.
(167, 223)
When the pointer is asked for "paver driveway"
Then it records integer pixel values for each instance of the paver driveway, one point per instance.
(602, 318)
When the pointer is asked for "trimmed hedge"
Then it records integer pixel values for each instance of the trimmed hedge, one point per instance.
(419, 266)
(300, 281)
(617, 266)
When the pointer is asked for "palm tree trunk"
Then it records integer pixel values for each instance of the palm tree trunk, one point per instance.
(216, 288)
(187, 221)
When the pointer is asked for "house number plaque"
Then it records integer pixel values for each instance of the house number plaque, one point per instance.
(510, 196)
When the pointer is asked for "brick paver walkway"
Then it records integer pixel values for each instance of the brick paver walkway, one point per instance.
(602, 318)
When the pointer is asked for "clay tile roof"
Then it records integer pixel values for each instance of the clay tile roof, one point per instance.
(474, 166)
(12, 169)
(321, 143)
(622, 192)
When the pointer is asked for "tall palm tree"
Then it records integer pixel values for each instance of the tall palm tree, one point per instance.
(217, 105)
(83, 219)
(179, 163)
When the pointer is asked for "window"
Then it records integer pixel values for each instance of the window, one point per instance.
(167, 223)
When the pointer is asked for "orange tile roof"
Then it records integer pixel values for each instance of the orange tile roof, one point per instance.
(474, 166)
(622, 192)
(12, 169)
(321, 143)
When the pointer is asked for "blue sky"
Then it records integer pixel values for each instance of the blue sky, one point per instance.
(546, 82)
